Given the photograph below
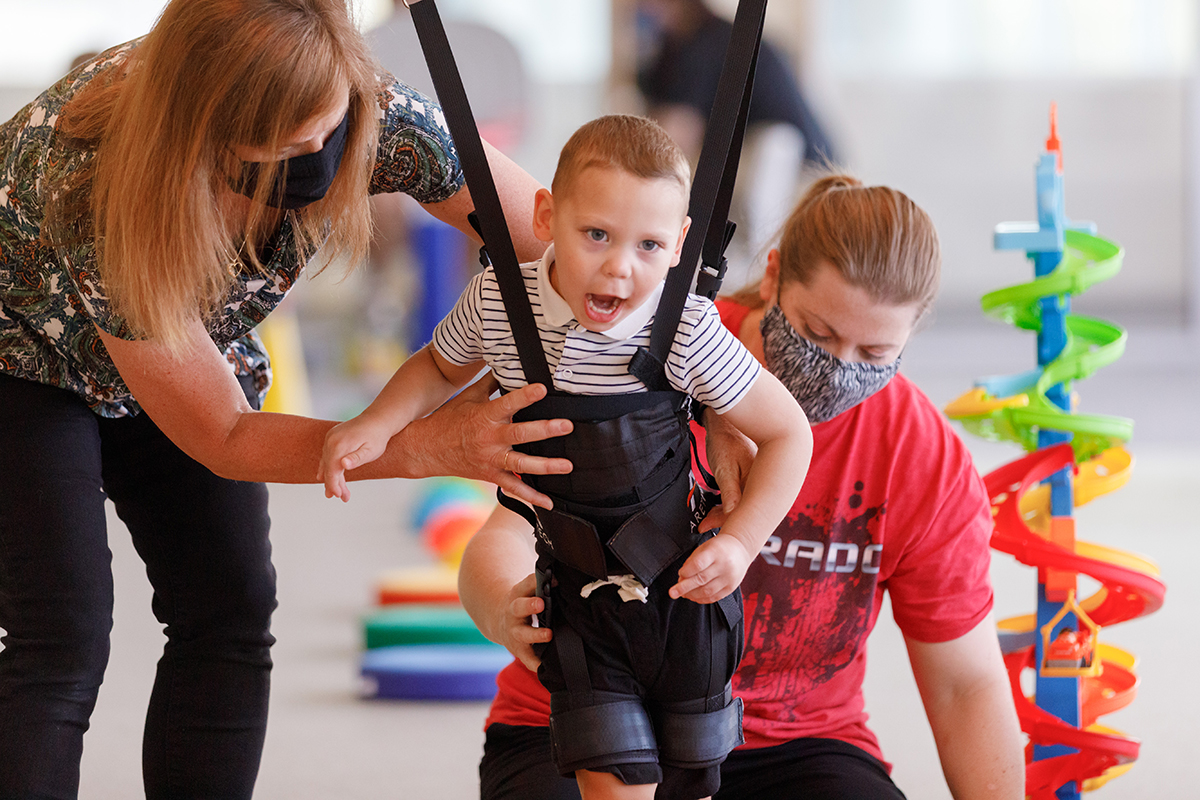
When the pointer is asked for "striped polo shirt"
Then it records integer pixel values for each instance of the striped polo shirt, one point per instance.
(706, 361)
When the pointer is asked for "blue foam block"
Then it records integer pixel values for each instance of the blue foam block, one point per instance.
(433, 671)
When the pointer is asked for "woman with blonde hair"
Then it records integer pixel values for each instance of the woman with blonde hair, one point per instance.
(891, 503)
(155, 205)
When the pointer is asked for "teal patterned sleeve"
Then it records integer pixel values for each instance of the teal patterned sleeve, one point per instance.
(416, 154)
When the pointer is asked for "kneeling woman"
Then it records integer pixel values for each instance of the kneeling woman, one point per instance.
(892, 503)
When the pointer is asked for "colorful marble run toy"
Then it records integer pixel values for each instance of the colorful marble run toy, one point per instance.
(1073, 459)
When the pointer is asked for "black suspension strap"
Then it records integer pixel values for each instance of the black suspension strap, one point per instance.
(493, 228)
(712, 192)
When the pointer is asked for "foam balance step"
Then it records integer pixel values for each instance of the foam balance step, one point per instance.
(432, 584)
(433, 671)
(420, 624)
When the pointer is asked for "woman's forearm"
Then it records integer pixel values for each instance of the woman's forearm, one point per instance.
(979, 746)
(969, 703)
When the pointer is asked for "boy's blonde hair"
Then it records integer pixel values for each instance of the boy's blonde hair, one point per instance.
(874, 236)
(208, 76)
(636, 145)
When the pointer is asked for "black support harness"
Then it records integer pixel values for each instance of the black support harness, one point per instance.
(626, 508)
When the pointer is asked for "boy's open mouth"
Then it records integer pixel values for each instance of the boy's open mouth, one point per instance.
(603, 307)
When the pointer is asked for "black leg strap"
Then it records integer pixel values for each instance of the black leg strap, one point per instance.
(617, 731)
(695, 740)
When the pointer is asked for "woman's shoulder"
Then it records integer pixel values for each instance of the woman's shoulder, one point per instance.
(416, 153)
(732, 312)
(904, 422)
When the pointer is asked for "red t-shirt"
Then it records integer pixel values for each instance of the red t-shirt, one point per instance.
(814, 592)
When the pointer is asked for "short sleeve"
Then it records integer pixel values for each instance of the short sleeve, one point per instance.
(458, 338)
(941, 588)
(416, 154)
(708, 362)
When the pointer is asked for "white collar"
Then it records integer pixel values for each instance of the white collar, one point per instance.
(557, 312)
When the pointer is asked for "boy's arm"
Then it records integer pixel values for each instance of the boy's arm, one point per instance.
(423, 382)
(769, 416)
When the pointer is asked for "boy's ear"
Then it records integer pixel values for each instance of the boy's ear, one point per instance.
(543, 215)
(683, 231)
(768, 287)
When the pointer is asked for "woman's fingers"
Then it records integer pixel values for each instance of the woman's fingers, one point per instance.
(472, 436)
(521, 633)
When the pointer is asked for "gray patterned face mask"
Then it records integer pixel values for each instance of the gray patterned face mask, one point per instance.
(823, 384)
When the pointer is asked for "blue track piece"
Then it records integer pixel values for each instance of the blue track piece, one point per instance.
(433, 671)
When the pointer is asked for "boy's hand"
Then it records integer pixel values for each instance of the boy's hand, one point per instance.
(713, 570)
(349, 445)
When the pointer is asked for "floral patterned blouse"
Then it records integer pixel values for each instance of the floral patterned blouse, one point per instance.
(52, 299)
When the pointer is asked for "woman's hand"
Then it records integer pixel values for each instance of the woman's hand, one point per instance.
(496, 587)
(472, 437)
(513, 627)
(730, 454)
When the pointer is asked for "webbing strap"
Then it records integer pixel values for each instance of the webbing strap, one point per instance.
(712, 192)
(494, 229)
(572, 660)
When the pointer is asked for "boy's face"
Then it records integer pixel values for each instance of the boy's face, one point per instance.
(615, 236)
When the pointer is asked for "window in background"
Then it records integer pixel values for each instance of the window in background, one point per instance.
(1005, 38)
(42, 37)
(562, 41)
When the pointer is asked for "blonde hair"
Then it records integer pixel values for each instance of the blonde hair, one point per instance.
(636, 145)
(212, 74)
(874, 236)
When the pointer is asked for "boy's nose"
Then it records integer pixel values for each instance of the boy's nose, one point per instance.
(618, 266)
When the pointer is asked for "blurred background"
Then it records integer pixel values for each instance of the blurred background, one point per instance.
(947, 100)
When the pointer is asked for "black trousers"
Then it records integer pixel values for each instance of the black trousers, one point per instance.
(516, 765)
(204, 542)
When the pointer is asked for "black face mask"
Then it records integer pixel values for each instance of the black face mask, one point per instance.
(301, 179)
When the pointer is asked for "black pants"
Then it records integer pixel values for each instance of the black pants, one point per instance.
(516, 765)
(204, 542)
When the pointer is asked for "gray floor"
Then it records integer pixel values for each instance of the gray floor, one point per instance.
(326, 743)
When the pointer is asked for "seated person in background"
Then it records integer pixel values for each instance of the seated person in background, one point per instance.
(892, 503)
(682, 53)
(644, 649)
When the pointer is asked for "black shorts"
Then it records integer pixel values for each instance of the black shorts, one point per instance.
(665, 653)
(516, 765)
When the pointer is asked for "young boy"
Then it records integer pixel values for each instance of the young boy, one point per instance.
(642, 655)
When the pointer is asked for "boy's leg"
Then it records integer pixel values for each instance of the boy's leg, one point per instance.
(806, 769)
(204, 541)
(597, 719)
(607, 786)
(698, 719)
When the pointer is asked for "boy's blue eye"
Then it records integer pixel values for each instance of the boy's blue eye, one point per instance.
(649, 245)
(597, 235)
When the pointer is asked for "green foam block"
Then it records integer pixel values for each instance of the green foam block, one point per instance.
(420, 624)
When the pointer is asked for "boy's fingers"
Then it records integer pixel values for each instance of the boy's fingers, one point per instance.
(686, 586)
